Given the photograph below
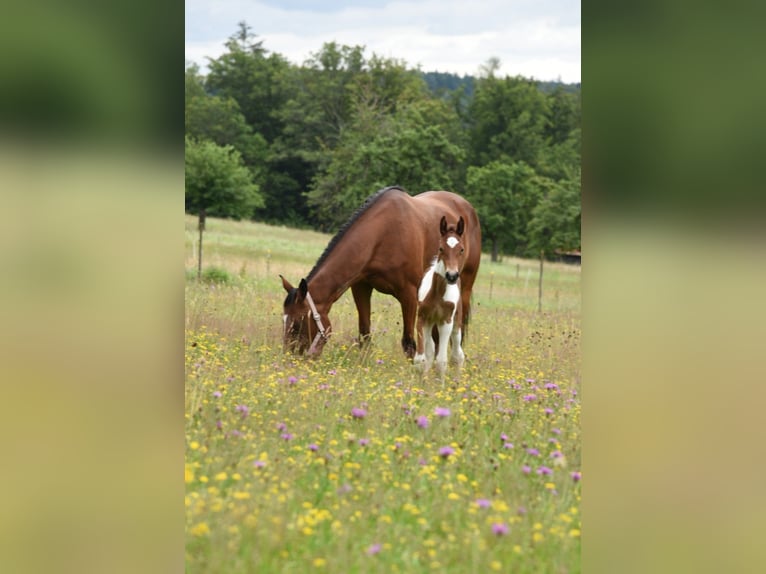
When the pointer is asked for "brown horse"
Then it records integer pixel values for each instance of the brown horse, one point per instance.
(387, 245)
(439, 301)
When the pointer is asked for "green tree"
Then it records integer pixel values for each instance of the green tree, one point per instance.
(555, 222)
(504, 195)
(508, 117)
(217, 184)
(411, 147)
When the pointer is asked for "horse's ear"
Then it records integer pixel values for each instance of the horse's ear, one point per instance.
(443, 225)
(303, 287)
(460, 226)
(286, 284)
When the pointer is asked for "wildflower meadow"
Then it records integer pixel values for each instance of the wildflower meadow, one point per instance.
(355, 462)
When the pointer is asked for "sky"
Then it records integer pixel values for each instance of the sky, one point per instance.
(537, 39)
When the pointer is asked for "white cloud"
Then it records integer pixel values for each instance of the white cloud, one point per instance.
(539, 38)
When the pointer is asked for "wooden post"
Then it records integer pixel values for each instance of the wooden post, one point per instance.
(540, 285)
(201, 229)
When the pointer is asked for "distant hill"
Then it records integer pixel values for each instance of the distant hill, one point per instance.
(442, 82)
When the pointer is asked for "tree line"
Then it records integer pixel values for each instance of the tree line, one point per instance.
(304, 145)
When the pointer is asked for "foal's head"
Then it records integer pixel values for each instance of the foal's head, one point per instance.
(451, 249)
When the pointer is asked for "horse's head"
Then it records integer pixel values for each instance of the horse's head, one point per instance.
(451, 249)
(305, 330)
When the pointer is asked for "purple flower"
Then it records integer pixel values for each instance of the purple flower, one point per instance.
(217, 394)
(332, 372)
(374, 549)
(551, 386)
(218, 425)
(281, 426)
(556, 454)
(379, 361)
(287, 436)
(533, 452)
(364, 441)
(548, 412)
(358, 413)
(446, 451)
(530, 397)
(544, 470)
(292, 380)
(556, 431)
(345, 489)
(422, 421)
(242, 409)
(442, 412)
(500, 529)
(259, 463)
(576, 476)
(521, 511)
(504, 437)
(508, 445)
(422, 461)
(526, 469)
(313, 447)
(483, 503)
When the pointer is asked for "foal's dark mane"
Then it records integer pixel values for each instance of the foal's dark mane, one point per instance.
(368, 203)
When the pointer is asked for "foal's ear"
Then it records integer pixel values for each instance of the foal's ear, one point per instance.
(286, 284)
(443, 225)
(460, 226)
(303, 288)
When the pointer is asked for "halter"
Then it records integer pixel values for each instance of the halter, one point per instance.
(318, 320)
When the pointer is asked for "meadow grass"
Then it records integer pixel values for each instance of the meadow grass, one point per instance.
(354, 462)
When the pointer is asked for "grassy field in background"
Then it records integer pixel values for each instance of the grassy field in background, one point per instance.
(354, 462)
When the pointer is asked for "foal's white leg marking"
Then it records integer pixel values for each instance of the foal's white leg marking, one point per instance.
(445, 331)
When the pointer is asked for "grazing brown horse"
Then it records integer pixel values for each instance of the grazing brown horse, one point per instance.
(387, 245)
(439, 301)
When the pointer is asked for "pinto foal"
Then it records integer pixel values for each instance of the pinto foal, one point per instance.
(439, 302)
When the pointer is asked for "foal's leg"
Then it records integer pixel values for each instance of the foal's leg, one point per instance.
(457, 356)
(362, 293)
(420, 359)
(445, 331)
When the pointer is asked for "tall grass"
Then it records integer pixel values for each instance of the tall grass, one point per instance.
(354, 462)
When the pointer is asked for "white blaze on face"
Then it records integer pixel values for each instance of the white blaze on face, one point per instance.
(452, 241)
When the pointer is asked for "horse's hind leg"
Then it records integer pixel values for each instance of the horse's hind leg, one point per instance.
(409, 303)
(362, 293)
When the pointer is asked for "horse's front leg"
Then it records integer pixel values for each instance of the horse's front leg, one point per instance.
(409, 303)
(362, 293)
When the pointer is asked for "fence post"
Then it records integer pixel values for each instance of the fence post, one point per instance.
(540, 285)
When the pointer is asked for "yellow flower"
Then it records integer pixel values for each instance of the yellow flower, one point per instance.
(574, 533)
(319, 562)
(496, 565)
(200, 529)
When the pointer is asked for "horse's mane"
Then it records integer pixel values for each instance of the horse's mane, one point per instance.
(368, 203)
